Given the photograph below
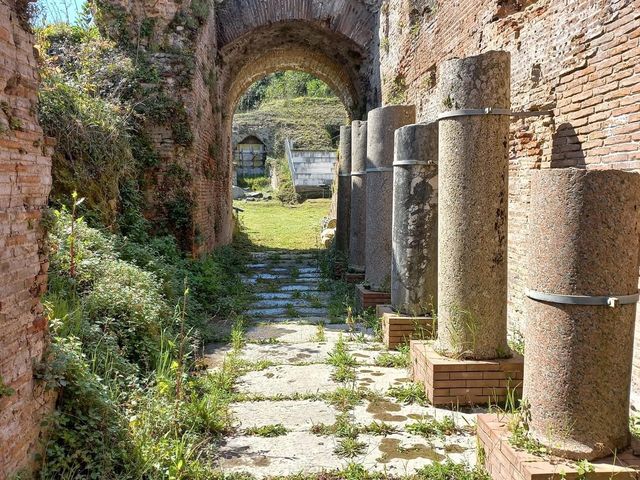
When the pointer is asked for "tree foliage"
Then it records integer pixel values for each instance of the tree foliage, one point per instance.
(281, 86)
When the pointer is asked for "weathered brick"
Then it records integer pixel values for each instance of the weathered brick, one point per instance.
(25, 179)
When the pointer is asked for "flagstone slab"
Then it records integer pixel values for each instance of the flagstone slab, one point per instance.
(294, 415)
(286, 380)
(279, 456)
(294, 332)
(365, 354)
(404, 453)
(395, 413)
(309, 352)
(380, 379)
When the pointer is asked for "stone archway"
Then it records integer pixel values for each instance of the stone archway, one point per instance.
(337, 41)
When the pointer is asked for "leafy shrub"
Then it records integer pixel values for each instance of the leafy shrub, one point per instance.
(286, 191)
(256, 184)
(283, 85)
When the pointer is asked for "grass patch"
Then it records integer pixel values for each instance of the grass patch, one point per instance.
(344, 398)
(452, 471)
(320, 335)
(271, 225)
(255, 184)
(409, 393)
(349, 447)
(379, 428)
(291, 311)
(430, 427)
(397, 360)
(294, 272)
(268, 431)
(313, 300)
(237, 335)
(343, 362)
(342, 428)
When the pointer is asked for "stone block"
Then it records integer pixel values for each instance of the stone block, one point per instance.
(453, 382)
(366, 298)
(503, 461)
(398, 329)
(354, 277)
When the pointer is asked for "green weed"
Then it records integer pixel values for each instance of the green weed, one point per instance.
(397, 360)
(350, 447)
(379, 428)
(409, 393)
(343, 362)
(429, 427)
(276, 430)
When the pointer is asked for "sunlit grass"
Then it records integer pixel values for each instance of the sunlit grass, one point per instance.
(271, 225)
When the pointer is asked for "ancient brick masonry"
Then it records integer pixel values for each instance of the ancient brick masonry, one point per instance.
(25, 181)
(577, 58)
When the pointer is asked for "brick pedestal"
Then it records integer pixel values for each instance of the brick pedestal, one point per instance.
(370, 298)
(352, 277)
(398, 329)
(504, 462)
(454, 382)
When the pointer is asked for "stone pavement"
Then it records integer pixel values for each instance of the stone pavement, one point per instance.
(292, 420)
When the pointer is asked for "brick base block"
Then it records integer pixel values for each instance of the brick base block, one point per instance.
(504, 462)
(398, 329)
(449, 381)
(370, 298)
(352, 277)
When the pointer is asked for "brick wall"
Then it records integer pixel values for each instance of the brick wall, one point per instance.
(25, 180)
(210, 166)
(578, 58)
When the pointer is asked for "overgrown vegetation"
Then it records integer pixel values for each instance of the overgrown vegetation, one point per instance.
(127, 322)
(343, 362)
(397, 360)
(286, 192)
(97, 99)
(268, 431)
(311, 123)
(256, 184)
(431, 427)
(409, 393)
(283, 85)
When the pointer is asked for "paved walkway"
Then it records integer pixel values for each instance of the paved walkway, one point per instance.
(297, 417)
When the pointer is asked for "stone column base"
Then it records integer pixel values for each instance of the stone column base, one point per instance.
(448, 381)
(353, 277)
(370, 298)
(504, 462)
(398, 329)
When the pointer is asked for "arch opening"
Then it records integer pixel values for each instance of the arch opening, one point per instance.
(302, 45)
(292, 118)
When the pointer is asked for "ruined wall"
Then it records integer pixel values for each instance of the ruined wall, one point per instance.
(578, 58)
(212, 187)
(189, 190)
(25, 181)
